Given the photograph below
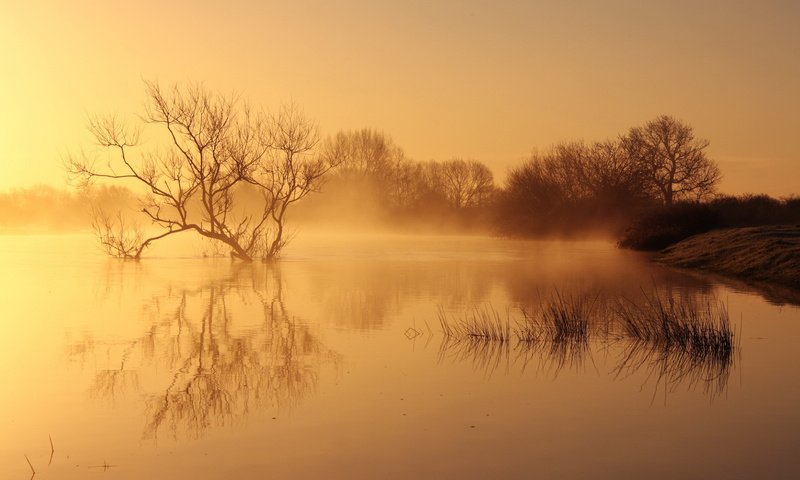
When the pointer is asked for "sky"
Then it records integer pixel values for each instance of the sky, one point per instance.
(489, 80)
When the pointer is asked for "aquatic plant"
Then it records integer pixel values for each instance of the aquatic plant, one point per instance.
(678, 322)
(676, 339)
(481, 323)
(563, 318)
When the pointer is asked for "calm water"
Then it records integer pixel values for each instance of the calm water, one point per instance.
(332, 365)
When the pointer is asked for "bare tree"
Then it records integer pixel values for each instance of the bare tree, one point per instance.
(216, 146)
(117, 238)
(673, 159)
(291, 173)
(370, 161)
(365, 152)
(604, 173)
(465, 183)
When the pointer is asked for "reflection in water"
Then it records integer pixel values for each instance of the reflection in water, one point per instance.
(672, 366)
(364, 294)
(219, 370)
(677, 340)
(222, 344)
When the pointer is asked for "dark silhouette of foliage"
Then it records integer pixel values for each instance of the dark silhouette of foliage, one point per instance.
(672, 159)
(660, 227)
(572, 188)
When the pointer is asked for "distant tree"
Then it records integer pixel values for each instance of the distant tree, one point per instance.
(610, 177)
(370, 161)
(410, 185)
(216, 147)
(464, 183)
(673, 159)
(571, 187)
(365, 152)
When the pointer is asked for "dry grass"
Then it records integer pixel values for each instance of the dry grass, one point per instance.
(768, 254)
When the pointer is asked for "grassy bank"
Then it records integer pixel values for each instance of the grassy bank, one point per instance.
(767, 253)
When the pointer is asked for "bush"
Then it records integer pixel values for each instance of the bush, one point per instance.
(659, 228)
(663, 226)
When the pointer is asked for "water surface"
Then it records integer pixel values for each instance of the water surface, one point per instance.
(332, 364)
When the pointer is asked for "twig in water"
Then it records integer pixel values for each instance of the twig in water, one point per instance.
(30, 465)
(104, 466)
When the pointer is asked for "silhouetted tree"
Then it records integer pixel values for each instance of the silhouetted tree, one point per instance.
(364, 152)
(673, 159)
(216, 145)
(464, 183)
(611, 178)
(370, 161)
(573, 187)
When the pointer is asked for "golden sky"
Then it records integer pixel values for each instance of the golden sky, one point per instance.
(490, 80)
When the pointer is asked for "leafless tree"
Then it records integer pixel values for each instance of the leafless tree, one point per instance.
(371, 161)
(365, 152)
(116, 236)
(673, 159)
(601, 172)
(465, 183)
(291, 172)
(216, 146)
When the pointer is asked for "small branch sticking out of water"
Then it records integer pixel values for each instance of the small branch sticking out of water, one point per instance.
(52, 449)
(30, 465)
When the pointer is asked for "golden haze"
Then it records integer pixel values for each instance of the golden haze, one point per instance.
(469, 78)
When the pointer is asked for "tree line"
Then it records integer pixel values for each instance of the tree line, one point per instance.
(578, 186)
(231, 172)
(574, 187)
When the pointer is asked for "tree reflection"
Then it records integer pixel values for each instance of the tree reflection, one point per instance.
(228, 347)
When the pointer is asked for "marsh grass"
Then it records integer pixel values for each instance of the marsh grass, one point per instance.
(562, 318)
(678, 340)
(558, 334)
(480, 336)
(699, 329)
(479, 324)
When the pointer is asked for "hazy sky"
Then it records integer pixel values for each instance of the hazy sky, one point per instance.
(490, 80)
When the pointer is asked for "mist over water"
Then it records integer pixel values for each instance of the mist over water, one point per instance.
(332, 364)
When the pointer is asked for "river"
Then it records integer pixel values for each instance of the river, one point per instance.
(332, 363)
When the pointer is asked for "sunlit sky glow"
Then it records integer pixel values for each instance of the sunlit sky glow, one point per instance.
(490, 80)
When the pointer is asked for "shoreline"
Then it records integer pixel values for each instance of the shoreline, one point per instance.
(765, 254)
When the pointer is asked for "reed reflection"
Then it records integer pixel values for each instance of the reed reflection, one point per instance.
(670, 339)
(217, 352)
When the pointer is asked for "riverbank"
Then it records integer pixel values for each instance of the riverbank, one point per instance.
(764, 254)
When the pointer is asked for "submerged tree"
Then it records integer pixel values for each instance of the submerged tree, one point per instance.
(217, 149)
(673, 159)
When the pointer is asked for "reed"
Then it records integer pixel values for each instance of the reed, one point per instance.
(562, 319)
(677, 339)
(480, 324)
(699, 329)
